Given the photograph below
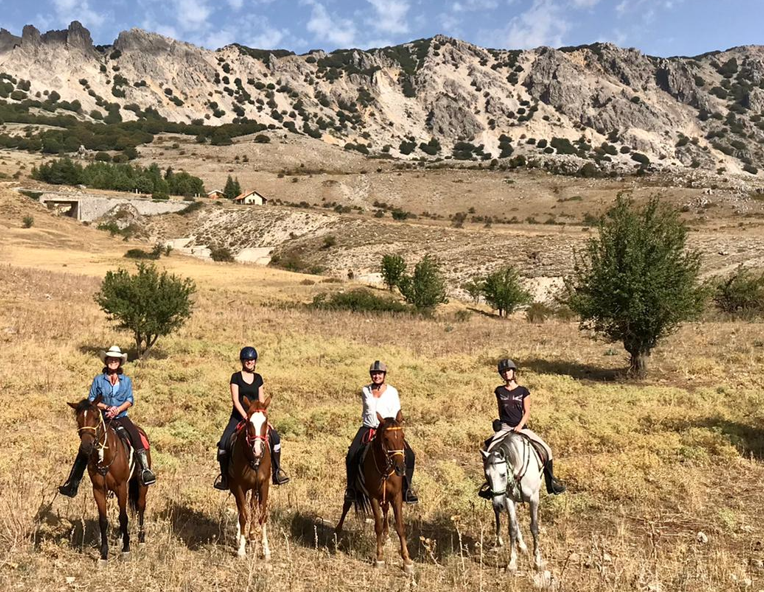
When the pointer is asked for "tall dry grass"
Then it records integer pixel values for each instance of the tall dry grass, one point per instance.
(648, 465)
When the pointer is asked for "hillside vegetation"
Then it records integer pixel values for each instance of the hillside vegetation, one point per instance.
(663, 476)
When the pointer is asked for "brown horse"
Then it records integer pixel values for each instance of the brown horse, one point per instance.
(250, 469)
(110, 469)
(382, 471)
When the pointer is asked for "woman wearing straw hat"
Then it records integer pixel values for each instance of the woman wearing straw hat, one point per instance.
(116, 392)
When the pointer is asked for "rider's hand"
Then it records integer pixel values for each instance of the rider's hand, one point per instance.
(517, 429)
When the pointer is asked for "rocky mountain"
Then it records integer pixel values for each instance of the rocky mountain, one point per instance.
(587, 109)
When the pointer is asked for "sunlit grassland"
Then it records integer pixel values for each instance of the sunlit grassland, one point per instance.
(649, 464)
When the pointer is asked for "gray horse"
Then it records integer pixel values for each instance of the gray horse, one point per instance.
(514, 472)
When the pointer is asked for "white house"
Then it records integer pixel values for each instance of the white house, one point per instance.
(251, 198)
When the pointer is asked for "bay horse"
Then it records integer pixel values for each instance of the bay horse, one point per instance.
(381, 484)
(110, 469)
(514, 472)
(250, 470)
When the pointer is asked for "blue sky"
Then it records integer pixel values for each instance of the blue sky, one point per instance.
(657, 27)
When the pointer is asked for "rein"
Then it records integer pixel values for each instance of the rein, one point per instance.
(389, 466)
(516, 479)
(255, 462)
(101, 443)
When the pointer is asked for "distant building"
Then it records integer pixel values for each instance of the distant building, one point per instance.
(251, 198)
(215, 194)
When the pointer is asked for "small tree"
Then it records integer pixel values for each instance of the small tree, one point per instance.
(149, 303)
(28, 221)
(426, 288)
(740, 293)
(503, 291)
(474, 287)
(393, 267)
(232, 188)
(636, 282)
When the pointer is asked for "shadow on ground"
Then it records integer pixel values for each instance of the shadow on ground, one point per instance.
(428, 541)
(196, 529)
(573, 369)
(748, 439)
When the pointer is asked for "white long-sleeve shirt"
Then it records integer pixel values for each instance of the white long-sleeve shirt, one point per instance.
(388, 404)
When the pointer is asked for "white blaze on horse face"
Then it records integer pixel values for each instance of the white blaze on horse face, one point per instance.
(257, 420)
(496, 473)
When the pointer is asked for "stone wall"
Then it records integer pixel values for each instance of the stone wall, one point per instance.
(91, 207)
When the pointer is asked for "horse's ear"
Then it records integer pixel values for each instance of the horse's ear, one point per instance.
(380, 418)
(73, 405)
(97, 400)
(485, 453)
(267, 402)
(399, 416)
(245, 402)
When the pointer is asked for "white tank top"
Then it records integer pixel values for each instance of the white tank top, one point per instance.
(387, 405)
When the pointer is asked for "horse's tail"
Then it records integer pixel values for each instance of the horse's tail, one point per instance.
(362, 502)
(133, 491)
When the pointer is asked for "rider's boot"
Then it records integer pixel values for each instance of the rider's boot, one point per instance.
(409, 496)
(553, 486)
(221, 482)
(279, 477)
(147, 475)
(69, 489)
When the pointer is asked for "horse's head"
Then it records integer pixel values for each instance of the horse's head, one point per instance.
(88, 423)
(496, 468)
(390, 435)
(257, 428)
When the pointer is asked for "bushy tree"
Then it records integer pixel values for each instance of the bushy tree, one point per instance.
(150, 304)
(393, 268)
(503, 291)
(426, 287)
(636, 282)
(474, 287)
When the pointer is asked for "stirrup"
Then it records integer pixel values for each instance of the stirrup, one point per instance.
(280, 478)
(556, 487)
(410, 497)
(148, 477)
(69, 489)
(221, 483)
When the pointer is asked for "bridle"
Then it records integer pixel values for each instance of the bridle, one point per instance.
(512, 479)
(100, 441)
(251, 441)
(390, 455)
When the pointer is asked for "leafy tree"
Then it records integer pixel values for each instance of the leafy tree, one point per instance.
(474, 287)
(503, 291)
(426, 287)
(232, 188)
(149, 304)
(636, 282)
(393, 268)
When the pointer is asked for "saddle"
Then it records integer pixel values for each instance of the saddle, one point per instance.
(540, 451)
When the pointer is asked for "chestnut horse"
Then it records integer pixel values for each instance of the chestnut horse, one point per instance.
(381, 472)
(250, 469)
(110, 469)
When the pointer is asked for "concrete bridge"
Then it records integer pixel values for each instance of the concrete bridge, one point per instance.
(86, 207)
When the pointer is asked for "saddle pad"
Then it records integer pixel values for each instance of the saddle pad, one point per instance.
(499, 436)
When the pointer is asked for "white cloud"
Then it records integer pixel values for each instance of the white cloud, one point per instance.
(585, 3)
(473, 5)
(235, 4)
(269, 39)
(325, 27)
(192, 15)
(390, 15)
(542, 24)
(77, 10)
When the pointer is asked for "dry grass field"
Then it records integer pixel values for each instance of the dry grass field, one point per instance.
(649, 465)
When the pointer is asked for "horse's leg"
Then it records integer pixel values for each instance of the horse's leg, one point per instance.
(241, 525)
(385, 523)
(514, 534)
(534, 503)
(122, 501)
(408, 567)
(264, 490)
(103, 523)
(345, 508)
(497, 514)
(380, 561)
(253, 514)
(141, 506)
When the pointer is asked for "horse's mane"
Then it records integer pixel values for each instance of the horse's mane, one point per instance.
(83, 405)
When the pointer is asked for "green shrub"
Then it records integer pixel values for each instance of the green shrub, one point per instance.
(393, 268)
(28, 221)
(742, 293)
(360, 300)
(503, 291)
(141, 254)
(221, 254)
(426, 287)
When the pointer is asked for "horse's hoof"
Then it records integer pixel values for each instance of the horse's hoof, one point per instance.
(142, 544)
(522, 547)
(266, 556)
(408, 568)
(379, 563)
(125, 555)
(512, 566)
(102, 563)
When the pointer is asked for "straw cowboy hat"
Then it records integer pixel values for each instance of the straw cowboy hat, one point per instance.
(114, 352)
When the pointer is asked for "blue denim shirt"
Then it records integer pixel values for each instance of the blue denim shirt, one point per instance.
(102, 386)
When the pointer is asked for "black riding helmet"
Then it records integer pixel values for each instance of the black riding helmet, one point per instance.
(248, 353)
(506, 364)
(377, 366)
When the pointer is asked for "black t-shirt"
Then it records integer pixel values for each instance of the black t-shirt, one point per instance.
(251, 391)
(511, 404)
